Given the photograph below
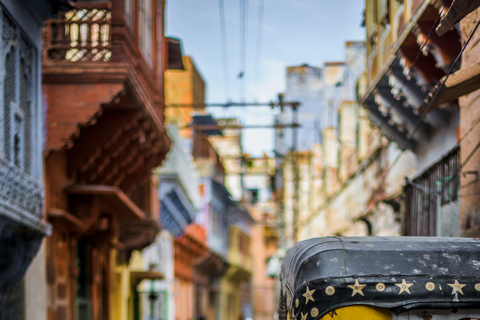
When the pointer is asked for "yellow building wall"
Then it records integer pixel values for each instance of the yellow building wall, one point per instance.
(121, 304)
(239, 272)
(384, 22)
(183, 87)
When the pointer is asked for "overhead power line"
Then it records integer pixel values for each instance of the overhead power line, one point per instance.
(238, 126)
(292, 104)
(223, 32)
(259, 43)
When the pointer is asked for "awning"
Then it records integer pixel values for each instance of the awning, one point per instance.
(175, 59)
(211, 263)
(137, 276)
(238, 273)
(176, 211)
(206, 120)
(67, 217)
(118, 201)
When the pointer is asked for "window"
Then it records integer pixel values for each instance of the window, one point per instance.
(16, 134)
(127, 5)
(145, 22)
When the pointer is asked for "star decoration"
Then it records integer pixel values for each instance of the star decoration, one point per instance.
(308, 296)
(304, 316)
(404, 287)
(357, 288)
(457, 287)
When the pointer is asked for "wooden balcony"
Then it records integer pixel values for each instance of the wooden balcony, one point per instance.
(95, 43)
(104, 96)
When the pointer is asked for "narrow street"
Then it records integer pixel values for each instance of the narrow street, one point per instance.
(159, 159)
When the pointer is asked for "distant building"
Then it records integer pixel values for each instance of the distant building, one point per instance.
(249, 180)
(305, 85)
(105, 134)
(320, 92)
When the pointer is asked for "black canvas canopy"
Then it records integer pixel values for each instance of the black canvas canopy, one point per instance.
(399, 273)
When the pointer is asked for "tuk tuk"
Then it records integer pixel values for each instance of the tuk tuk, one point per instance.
(381, 278)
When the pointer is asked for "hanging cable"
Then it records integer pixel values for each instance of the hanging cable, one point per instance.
(223, 32)
(243, 35)
(258, 52)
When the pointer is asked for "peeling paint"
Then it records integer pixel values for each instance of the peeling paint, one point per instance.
(476, 264)
(455, 257)
(443, 270)
(423, 263)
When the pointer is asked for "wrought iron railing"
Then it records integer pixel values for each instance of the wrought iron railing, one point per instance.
(439, 185)
(20, 191)
(82, 34)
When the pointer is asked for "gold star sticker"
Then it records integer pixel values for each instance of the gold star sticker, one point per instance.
(404, 287)
(357, 288)
(304, 316)
(457, 287)
(309, 296)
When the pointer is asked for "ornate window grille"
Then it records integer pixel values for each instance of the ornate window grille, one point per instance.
(20, 192)
(146, 29)
(437, 186)
(18, 92)
(80, 35)
(127, 4)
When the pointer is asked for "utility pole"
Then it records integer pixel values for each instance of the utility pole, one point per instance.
(296, 176)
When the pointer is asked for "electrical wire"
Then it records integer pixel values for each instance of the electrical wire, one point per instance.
(259, 45)
(223, 32)
(243, 39)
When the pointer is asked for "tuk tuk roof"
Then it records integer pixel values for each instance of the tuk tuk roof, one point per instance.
(383, 271)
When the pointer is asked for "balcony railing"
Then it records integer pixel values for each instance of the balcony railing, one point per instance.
(94, 34)
(82, 34)
(20, 191)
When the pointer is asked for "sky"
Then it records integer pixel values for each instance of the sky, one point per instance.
(293, 32)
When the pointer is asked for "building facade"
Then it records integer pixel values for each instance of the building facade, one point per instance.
(407, 60)
(22, 211)
(103, 66)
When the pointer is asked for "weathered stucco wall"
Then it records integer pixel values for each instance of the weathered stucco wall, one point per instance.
(469, 116)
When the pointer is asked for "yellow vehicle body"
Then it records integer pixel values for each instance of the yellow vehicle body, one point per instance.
(358, 313)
